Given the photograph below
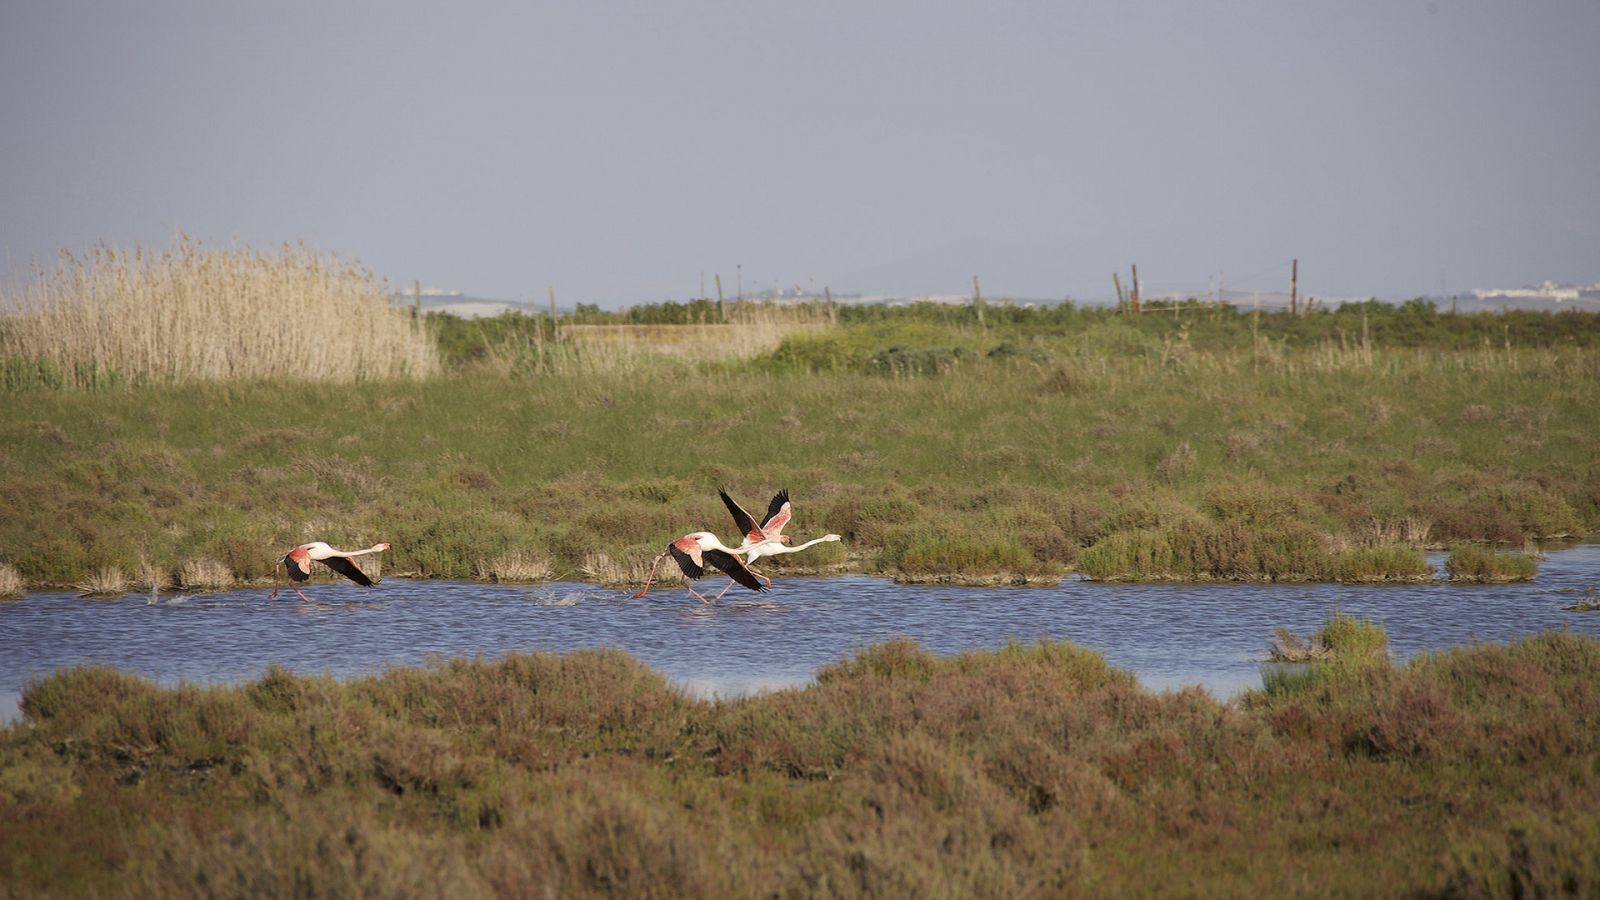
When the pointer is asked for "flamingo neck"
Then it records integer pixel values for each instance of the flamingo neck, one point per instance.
(783, 548)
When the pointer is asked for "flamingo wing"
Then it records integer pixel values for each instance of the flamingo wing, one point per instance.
(734, 568)
(347, 567)
(778, 513)
(298, 571)
(742, 520)
(690, 566)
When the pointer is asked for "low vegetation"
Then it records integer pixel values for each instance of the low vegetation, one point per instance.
(1477, 563)
(11, 582)
(1190, 443)
(104, 583)
(204, 575)
(1343, 645)
(518, 567)
(1025, 770)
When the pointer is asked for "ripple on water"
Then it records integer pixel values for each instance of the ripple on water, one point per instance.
(1169, 635)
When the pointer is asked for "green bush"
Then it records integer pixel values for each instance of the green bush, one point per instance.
(1479, 563)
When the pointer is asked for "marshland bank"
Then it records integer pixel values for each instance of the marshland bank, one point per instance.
(985, 442)
(1313, 466)
(1028, 768)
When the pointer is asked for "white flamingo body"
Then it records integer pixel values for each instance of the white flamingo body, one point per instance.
(767, 537)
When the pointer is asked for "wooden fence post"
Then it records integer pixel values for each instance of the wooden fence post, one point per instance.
(1294, 287)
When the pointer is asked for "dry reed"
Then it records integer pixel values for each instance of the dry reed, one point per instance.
(752, 329)
(107, 582)
(599, 568)
(205, 575)
(518, 567)
(199, 314)
(11, 583)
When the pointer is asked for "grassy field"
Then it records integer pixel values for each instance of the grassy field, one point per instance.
(1187, 443)
(1213, 464)
(1026, 770)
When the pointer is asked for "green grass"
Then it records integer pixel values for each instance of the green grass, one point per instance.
(1026, 770)
(1477, 563)
(1237, 447)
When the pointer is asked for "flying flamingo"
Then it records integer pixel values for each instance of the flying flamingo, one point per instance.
(298, 564)
(767, 538)
(692, 552)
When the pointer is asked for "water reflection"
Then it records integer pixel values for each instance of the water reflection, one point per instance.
(1169, 635)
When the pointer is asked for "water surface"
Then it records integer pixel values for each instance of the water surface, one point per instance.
(1168, 635)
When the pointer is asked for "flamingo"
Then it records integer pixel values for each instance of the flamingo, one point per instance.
(692, 552)
(767, 538)
(298, 564)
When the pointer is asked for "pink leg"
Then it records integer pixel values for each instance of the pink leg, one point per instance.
(697, 595)
(648, 578)
(724, 590)
(760, 575)
(275, 583)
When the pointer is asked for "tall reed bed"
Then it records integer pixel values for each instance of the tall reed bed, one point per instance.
(195, 313)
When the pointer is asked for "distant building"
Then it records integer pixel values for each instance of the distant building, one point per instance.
(1548, 291)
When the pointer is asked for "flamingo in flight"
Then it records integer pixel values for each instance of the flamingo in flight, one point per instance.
(692, 552)
(298, 564)
(767, 538)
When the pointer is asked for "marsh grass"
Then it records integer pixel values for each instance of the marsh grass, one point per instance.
(1029, 769)
(104, 583)
(1477, 563)
(194, 313)
(1382, 563)
(752, 329)
(518, 567)
(205, 575)
(1095, 444)
(520, 345)
(1342, 646)
(12, 584)
(630, 568)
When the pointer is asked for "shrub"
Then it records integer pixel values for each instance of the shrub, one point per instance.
(12, 584)
(1478, 563)
(906, 362)
(205, 575)
(107, 582)
(518, 567)
(1384, 562)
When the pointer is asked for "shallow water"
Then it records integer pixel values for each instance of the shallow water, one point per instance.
(1169, 635)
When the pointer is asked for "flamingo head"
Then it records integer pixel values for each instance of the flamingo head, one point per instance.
(384, 546)
(784, 539)
(832, 537)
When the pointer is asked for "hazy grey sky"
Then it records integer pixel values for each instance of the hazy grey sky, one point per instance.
(618, 151)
